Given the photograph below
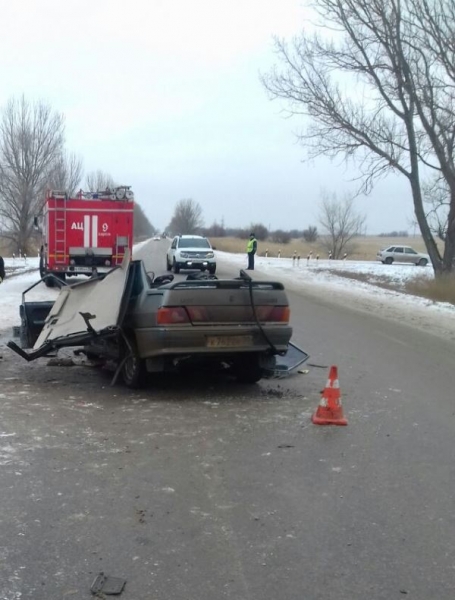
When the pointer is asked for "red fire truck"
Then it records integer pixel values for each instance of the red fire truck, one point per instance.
(88, 232)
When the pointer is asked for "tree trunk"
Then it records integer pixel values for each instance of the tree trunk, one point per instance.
(428, 238)
(448, 265)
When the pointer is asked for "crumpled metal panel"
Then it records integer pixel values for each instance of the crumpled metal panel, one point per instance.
(99, 298)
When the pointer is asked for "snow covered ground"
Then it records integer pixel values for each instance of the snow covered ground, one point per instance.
(317, 278)
(357, 285)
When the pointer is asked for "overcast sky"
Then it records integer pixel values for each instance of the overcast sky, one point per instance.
(165, 96)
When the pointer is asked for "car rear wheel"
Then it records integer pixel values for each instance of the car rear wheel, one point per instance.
(176, 267)
(247, 370)
(388, 260)
(422, 262)
(133, 368)
(168, 265)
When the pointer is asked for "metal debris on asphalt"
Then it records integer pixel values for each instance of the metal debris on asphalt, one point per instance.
(110, 586)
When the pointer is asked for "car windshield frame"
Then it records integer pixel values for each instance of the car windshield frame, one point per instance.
(186, 243)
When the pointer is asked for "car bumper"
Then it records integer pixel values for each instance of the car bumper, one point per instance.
(214, 341)
(196, 264)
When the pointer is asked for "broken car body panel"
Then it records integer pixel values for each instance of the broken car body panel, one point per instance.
(95, 301)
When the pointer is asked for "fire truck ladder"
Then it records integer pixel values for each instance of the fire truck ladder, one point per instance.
(60, 228)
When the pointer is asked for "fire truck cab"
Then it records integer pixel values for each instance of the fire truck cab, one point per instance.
(85, 234)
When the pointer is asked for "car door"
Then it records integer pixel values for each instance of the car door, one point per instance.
(398, 254)
(410, 255)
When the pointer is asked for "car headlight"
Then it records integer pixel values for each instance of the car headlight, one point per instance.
(209, 255)
(184, 254)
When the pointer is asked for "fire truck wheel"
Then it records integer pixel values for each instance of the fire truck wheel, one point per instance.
(133, 369)
(49, 282)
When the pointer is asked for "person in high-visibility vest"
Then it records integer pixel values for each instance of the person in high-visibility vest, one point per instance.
(251, 249)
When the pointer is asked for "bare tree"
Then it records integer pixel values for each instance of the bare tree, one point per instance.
(31, 141)
(187, 217)
(437, 198)
(279, 236)
(215, 230)
(310, 234)
(66, 173)
(260, 231)
(341, 223)
(381, 89)
(99, 180)
(142, 226)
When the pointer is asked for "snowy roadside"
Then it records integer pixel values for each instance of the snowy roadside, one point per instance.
(319, 279)
(316, 278)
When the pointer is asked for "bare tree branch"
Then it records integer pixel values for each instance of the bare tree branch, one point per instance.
(99, 180)
(380, 91)
(187, 217)
(66, 173)
(341, 223)
(31, 141)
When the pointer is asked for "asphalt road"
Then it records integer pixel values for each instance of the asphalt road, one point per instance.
(209, 489)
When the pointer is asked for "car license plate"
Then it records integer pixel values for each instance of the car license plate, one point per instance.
(229, 341)
(84, 269)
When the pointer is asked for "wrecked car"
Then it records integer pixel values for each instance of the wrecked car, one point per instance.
(141, 324)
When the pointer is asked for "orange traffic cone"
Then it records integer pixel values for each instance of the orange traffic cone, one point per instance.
(330, 411)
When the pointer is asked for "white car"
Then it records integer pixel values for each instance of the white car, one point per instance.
(156, 238)
(191, 252)
(402, 254)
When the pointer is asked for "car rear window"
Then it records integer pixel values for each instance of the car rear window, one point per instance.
(193, 243)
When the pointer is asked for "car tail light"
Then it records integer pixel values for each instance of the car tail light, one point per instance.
(172, 315)
(273, 314)
(240, 314)
(199, 314)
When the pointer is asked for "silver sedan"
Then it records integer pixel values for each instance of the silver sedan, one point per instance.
(402, 254)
